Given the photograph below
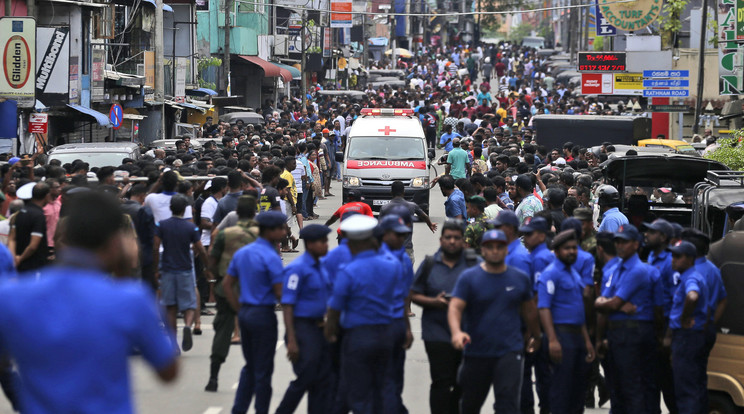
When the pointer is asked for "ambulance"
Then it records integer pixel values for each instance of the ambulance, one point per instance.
(385, 145)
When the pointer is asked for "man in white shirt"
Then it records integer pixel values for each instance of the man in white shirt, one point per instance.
(159, 203)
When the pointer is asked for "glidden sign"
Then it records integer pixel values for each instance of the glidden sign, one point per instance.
(629, 16)
(18, 45)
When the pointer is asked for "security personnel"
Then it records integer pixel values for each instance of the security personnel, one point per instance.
(584, 264)
(304, 296)
(517, 255)
(473, 233)
(687, 333)
(628, 300)
(609, 201)
(394, 232)
(258, 268)
(559, 295)
(535, 231)
(227, 242)
(363, 294)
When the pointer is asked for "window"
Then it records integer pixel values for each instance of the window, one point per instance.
(104, 22)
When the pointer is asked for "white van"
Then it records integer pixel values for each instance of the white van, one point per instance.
(385, 145)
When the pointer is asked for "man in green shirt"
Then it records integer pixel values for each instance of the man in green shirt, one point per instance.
(458, 162)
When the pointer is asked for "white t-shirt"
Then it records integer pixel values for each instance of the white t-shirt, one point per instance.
(207, 212)
(159, 203)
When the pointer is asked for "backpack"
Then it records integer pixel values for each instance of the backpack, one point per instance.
(471, 259)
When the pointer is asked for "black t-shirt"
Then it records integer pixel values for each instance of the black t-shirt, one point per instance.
(269, 199)
(30, 221)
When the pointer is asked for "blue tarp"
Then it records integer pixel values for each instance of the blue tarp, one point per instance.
(206, 90)
(8, 119)
(103, 120)
(400, 21)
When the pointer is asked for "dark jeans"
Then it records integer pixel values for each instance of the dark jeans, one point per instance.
(503, 373)
(312, 370)
(444, 393)
(365, 356)
(258, 332)
(568, 377)
(689, 366)
(392, 395)
(631, 354)
(223, 330)
(541, 362)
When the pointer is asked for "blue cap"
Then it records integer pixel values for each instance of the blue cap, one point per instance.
(684, 247)
(313, 232)
(506, 218)
(574, 224)
(271, 218)
(402, 211)
(662, 226)
(494, 235)
(628, 232)
(394, 223)
(13, 160)
(677, 230)
(535, 224)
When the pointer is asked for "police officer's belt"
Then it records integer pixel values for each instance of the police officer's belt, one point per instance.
(629, 323)
(562, 327)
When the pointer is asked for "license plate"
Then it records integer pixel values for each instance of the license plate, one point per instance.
(380, 202)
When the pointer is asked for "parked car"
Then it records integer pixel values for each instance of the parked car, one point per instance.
(97, 154)
(680, 147)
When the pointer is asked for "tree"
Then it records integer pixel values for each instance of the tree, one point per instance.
(730, 151)
(520, 32)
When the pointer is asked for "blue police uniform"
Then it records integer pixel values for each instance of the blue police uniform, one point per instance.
(631, 337)
(612, 219)
(399, 327)
(716, 293)
(689, 357)
(540, 258)
(560, 289)
(307, 288)
(663, 263)
(584, 266)
(258, 267)
(519, 257)
(364, 293)
(336, 258)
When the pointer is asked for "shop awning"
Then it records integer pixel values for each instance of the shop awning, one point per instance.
(166, 8)
(192, 106)
(296, 75)
(271, 70)
(103, 120)
(203, 91)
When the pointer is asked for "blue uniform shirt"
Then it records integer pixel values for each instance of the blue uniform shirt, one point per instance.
(584, 266)
(492, 315)
(364, 290)
(519, 257)
(540, 258)
(612, 219)
(307, 287)
(689, 281)
(632, 283)
(7, 264)
(712, 276)
(454, 205)
(258, 267)
(336, 259)
(560, 290)
(663, 263)
(403, 285)
(71, 333)
(608, 272)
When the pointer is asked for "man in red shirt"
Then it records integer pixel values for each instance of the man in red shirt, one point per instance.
(355, 204)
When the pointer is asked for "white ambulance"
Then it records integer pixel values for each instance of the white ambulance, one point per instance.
(385, 145)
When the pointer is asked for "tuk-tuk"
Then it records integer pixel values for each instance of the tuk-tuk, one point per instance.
(680, 147)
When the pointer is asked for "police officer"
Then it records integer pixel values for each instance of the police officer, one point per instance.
(473, 233)
(609, 201)
(394, 232)
(559, 293)
(584, 264)
(535, 233)
(226, 243)
(488, 302)
(304, 296)
(687, 333)
(628, 300)
(517, 255)
(363, 292)
(258, 268)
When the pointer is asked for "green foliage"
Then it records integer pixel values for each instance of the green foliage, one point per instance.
(730, 152)
(713, 26)
(520, 32)
(206, 62)
(599, 43)
(669, 20)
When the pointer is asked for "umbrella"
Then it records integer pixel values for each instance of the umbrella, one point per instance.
(400, 52)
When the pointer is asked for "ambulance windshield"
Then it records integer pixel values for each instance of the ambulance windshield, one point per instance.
(386, 148)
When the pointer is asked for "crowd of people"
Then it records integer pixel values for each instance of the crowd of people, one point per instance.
(537, 268)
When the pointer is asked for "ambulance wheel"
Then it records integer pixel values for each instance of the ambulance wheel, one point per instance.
(720, 403)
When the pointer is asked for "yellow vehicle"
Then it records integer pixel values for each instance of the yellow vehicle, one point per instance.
(680, 147)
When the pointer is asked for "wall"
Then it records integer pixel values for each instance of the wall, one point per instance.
(243, 34)
(688, 60)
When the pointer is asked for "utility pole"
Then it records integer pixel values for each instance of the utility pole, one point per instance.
(701, 69)
(365, 47)
(304, 59)
(226, 49)
(392, 36)
(159, 69)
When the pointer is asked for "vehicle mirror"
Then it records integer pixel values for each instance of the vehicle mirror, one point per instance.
(432, 154)
(339, 156)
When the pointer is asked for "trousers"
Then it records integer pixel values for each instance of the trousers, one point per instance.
(258, 332)
(444, 392)
(689, 365)
(569, 376)
(503, 373)
(366, 353)
(392, 395)
(223, 330)
(631, 359)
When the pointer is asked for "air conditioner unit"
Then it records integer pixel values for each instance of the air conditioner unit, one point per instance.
(281, 43)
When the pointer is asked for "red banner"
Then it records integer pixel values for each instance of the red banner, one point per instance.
(362, 164)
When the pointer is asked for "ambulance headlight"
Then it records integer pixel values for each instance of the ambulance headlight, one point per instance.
(352, 182)
(420, 182)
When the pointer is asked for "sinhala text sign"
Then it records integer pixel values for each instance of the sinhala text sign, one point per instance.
(629, 16)
(729, 72)
(18, 42)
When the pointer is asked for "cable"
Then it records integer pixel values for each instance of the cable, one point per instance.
(542, 9)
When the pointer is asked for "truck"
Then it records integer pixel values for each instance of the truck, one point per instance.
(553, 131)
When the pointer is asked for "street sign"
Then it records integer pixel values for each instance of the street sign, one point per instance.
(604, 28)
(668, 108)
(601, 61)
(666, 83)
(116, 116)
(666, 73)
(341, 13)
(666, 93)
(37, 123)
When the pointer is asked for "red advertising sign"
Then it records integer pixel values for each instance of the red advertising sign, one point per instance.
(37, 123)
(596, 84)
